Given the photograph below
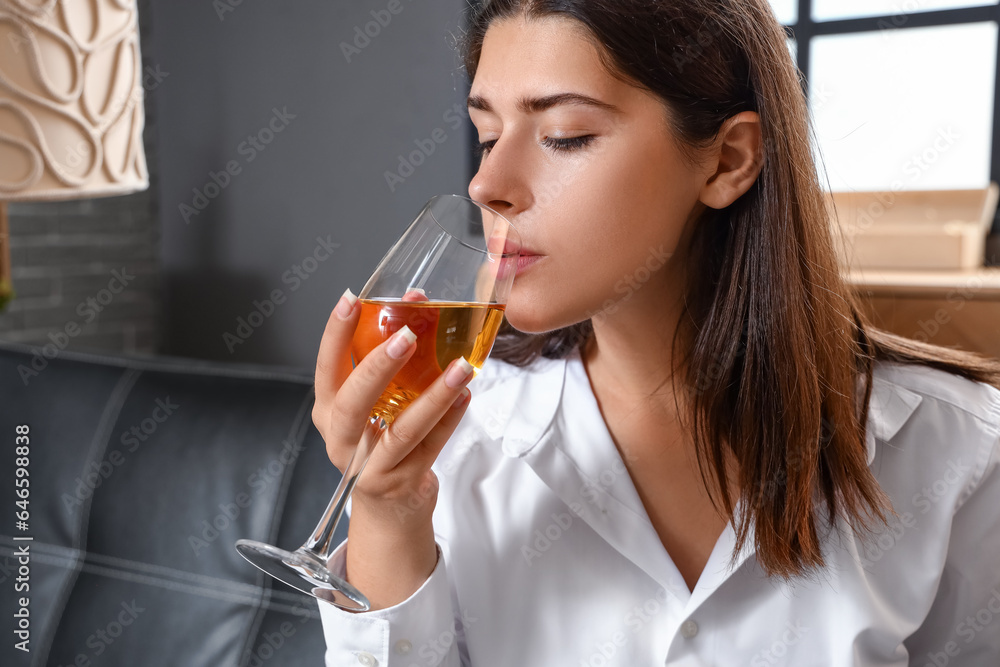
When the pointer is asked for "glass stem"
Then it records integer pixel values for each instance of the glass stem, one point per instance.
(320, 543)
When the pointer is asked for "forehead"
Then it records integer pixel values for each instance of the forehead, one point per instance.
(541, 55)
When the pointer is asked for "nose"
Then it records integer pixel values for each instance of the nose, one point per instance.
(501, 182)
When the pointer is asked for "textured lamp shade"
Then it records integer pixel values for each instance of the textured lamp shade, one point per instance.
(71, 99)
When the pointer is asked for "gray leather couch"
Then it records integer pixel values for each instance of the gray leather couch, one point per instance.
(143, 472)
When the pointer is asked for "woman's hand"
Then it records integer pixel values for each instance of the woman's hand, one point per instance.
(392, 550)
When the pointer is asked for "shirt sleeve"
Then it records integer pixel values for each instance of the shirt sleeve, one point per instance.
(420, 630)
(962, 628)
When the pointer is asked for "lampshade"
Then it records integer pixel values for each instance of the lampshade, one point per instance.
(71, 99)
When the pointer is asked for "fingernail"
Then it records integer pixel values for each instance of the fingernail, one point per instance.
(400, 343)
(346, 304)
(459, 372)
(462, 398)
(415, 294)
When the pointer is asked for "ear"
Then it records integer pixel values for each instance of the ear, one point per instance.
(734, 161)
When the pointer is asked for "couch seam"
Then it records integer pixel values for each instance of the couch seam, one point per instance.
(56, 554)
(245, 597)
(171, 365)
(298, 430)
(98, 446)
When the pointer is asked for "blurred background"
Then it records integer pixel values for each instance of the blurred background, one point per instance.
(288, 144)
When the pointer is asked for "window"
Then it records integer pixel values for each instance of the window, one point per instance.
(908, 107)
(786, 10)
(902, 92)
(824, 10)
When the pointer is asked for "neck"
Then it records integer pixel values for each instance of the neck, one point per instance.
(629, 358)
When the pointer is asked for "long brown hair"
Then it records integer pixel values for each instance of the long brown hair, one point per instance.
(775, 345)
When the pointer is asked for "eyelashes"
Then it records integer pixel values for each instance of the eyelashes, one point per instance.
(482, 148)
(568, 144)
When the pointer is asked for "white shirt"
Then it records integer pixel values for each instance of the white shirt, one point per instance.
(547, 556)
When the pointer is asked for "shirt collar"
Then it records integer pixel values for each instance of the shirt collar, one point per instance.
(540, 389)
(889, 408)
(519, 415)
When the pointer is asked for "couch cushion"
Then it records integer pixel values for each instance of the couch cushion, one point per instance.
(143, 474)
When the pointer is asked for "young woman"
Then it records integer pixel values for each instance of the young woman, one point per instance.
(691, 448)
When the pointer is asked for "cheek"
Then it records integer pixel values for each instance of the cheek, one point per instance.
(648, 184)
(628, 204)
(601, 217)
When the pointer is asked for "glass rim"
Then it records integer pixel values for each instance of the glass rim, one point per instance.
(486, 251)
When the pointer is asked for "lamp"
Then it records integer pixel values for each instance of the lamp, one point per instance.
(71, 105)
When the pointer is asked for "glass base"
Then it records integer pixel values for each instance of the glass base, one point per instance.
(303, 571)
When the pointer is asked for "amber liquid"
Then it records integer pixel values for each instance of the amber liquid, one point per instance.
(445, 331)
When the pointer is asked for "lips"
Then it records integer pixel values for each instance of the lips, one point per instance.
(511, 247)
(515, 264)
(526, 260)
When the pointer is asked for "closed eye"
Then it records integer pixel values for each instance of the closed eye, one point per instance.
(567, 144)
(483, 147)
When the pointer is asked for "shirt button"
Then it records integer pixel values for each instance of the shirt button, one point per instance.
(689, 629)
(367, 659)
(403, 646)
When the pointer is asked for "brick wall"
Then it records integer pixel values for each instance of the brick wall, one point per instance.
(87, 273)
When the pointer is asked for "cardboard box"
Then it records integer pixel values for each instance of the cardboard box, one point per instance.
(918, 230)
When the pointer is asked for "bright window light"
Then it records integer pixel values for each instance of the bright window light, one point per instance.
(905, 109)
(825, 10)
(787, 11)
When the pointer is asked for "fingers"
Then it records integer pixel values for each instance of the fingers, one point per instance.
(360, 391)
(333, 362)
(422, 456)
(435, 410)
(414, 294)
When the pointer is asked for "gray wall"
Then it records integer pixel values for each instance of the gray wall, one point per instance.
(322, 176)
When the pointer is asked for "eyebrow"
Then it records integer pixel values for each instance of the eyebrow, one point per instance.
(539, 104)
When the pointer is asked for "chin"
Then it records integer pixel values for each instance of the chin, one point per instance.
(533, 317)
(527, 325)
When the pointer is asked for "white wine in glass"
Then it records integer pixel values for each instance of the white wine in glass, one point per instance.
(447, 279)
(445, 331)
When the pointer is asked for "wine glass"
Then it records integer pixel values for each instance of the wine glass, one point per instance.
(447, 278)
